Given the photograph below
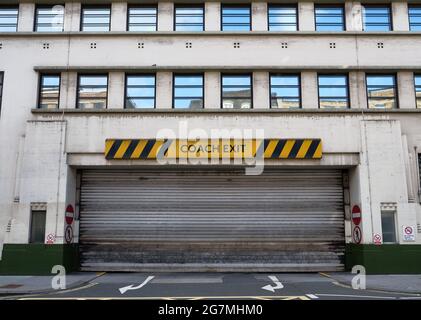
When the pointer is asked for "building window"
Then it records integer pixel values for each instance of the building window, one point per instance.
(333, 91)
(92, 91)
(96, 19)
(329, 18)
(37, 232)
(49, 19)
(417, 79)
(140, 91)
(49, 93)
(236, 91)
(236, 18)
(142, 18)
(189, 18)
(282, 18)
(1, 87)
(188, 91)
(376, 18)
(9, 19)
(388, 226)
(285, 91)
(414, 12)
(381, 91)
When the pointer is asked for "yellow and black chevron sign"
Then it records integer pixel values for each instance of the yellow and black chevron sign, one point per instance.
(132, 149)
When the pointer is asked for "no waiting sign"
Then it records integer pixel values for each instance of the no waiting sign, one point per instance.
(408, 233)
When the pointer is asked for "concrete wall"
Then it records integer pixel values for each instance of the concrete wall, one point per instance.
(35, 167)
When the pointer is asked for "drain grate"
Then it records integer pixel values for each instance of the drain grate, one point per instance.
(11, 286)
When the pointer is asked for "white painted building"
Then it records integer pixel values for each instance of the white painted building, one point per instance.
(72, 77)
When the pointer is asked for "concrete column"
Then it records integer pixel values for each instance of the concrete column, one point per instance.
(26, 17)
(164, 90)
(260, 90)
(357, 90)
(212, 16)
(259, 14)
(306, 16)
(212, 90)
(353, 16)
(406, 90)
(165, 16)
(68, 88)
(400, 16)
(116, 90)
(72, 11)
(119, 16)
(309, 90)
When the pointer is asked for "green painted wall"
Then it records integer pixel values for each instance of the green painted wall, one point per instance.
(38, 259)
(384, 259)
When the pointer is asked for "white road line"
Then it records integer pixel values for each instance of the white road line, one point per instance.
(354, 296)
(312, 296)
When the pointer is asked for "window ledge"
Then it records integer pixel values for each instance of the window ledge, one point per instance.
(222, 111)
(207, 33)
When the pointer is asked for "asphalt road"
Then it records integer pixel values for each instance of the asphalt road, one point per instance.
(208, 286)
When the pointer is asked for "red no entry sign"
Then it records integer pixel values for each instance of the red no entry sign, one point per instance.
(356, 215)
(70, 214)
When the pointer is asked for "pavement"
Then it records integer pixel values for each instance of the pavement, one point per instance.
(205, 286)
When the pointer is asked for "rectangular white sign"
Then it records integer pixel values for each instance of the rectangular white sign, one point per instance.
(408, 233)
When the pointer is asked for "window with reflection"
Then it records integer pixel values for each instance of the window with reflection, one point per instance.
(49, 92)
(236, 91)
(282, 17)
(381, 91)
(333, 91)
(96, 18)
(329, 18)
(142, 18)
(189, 18)
(417, 79)
(377, 18)
(92, 91)
(49, 18)
(414, 12)
(236, 18)
(9, 19)
(140, 91)
(188, 91)
(285, 91)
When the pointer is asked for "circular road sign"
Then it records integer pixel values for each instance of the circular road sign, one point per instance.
(68, 234)
(70, 214)
(357, 235)
(356, 215)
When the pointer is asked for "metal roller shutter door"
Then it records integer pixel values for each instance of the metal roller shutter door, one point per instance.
(211, 220)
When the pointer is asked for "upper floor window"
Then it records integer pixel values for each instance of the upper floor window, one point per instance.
(417, 79)
(285, 91)
(1, 87)
(236, 91)
(377, 18)
(141, 18)
(96, 18)
(9, 19)
(414, 12)
(282, 18)
(381, 91)
(329, 18)
(92, 91)
(49, 91)
(188, 91)
(189, 18)
(140, 91)
(333, 91)
(236, 18)
(49, 18)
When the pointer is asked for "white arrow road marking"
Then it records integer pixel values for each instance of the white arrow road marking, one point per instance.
(131, 287)
(278, 284)
(312, 296)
